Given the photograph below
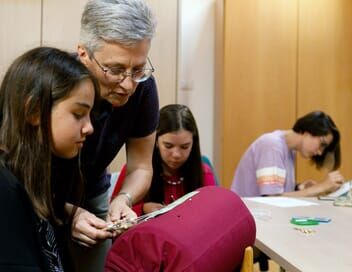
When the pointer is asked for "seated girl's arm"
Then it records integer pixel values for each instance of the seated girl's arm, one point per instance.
(149, 207)
(331, 183)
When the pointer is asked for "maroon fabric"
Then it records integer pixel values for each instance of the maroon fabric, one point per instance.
(208, 232)
(171, 192)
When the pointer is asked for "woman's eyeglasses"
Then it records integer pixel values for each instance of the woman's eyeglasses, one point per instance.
(118, 75)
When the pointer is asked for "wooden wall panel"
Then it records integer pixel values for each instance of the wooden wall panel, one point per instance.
(259, 74)
(20, 29)
(325, 70)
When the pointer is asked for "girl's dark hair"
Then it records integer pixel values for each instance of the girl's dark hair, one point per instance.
(173, 118)
(32, 85)
(318, 123)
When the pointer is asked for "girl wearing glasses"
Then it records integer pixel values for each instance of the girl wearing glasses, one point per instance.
(268, 165)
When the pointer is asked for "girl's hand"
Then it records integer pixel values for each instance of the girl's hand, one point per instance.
(149, 207)
(306, 184)
(332, 182)
(87, 229)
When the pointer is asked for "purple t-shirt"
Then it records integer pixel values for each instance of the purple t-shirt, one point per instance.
(266, 168)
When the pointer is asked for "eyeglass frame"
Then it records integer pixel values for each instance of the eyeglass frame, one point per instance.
(125, 74)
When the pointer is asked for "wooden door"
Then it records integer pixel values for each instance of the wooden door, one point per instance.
(325, 71)
(260, 57)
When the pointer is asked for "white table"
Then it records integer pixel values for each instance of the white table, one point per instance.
(328, 248)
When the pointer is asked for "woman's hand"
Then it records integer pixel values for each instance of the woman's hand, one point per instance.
(119, 210)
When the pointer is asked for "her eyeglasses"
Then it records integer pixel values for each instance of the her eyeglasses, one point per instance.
(118, 75)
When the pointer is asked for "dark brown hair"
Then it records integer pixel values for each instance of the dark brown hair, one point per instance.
(173, 118)
(318, 123)
(32, 85)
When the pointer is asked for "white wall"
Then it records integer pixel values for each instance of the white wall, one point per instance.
(196, 65)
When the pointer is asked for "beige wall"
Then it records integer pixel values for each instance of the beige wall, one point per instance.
(196, 58)
(20, 29)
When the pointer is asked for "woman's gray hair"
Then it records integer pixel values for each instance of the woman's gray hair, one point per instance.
(120, 21)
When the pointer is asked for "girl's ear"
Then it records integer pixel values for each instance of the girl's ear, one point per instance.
(34, 117)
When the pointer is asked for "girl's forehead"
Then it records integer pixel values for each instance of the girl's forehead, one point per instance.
(179, 133)
(177, 136)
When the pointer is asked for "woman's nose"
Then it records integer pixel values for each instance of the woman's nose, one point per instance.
(127, 83)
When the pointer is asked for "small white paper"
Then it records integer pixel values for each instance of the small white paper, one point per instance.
(284, 202)
(345, 187)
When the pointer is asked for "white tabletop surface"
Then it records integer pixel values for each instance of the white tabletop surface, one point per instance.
(327, 248)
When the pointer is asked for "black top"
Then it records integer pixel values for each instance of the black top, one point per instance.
(27, 243)
(112, 128)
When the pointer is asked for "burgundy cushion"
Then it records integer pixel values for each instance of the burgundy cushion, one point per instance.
(208, 232)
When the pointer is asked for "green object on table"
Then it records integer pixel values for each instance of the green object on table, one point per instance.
(304, 222)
